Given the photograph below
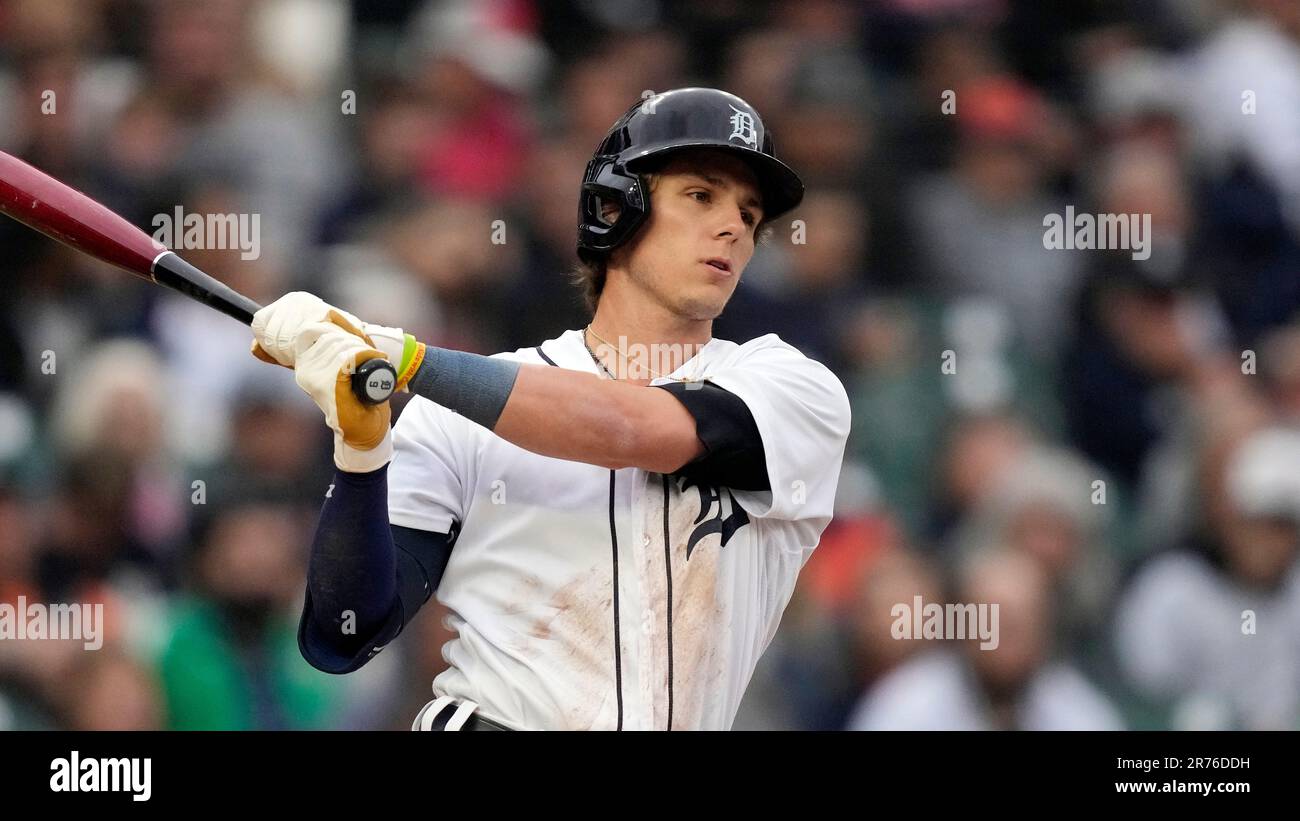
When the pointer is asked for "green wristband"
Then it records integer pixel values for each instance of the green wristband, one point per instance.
(409, 344)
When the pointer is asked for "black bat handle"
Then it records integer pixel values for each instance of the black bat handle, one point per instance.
(374, 381)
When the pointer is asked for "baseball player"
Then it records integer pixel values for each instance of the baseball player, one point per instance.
(615, 518)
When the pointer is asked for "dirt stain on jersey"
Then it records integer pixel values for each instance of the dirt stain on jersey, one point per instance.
(578, 618)
(698, 617)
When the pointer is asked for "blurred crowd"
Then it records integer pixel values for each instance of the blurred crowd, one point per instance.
(1107, 447)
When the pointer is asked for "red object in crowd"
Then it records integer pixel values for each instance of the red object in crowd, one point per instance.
(848, 547)
(481, 157)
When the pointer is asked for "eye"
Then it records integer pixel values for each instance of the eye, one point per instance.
(700, 196)
(748, 217)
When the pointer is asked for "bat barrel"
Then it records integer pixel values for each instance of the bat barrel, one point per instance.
(61, 212)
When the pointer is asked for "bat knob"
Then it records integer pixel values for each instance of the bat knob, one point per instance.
(374, 381)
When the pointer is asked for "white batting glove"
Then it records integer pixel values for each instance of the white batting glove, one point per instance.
(277, 326)
(326, 356)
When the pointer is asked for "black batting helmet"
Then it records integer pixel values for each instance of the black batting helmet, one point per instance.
(664, 123)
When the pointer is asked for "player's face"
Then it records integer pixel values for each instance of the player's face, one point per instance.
(700, 234)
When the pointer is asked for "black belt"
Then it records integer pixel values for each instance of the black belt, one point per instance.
(474, 722)
(448, 710)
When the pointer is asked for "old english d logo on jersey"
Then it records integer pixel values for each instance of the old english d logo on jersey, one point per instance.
(726, 527)
(742, 128)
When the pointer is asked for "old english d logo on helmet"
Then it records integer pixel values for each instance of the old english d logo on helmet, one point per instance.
(674, 121)
(742, 128)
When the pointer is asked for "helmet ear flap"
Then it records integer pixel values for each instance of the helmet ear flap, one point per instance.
(608, 184)
(597, 201)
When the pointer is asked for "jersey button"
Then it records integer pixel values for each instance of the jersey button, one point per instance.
(645, 540)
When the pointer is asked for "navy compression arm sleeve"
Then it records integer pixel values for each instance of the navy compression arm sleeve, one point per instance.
(366, 579)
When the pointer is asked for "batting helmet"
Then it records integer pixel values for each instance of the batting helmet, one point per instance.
(664, 123)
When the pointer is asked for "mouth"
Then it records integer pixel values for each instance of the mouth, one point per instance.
(719, 263)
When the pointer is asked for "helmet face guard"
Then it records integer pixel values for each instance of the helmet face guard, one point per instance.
(679, 120)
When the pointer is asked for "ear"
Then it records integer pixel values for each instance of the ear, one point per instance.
(609, 211)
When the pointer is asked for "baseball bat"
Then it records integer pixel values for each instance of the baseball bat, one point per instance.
(62, 213)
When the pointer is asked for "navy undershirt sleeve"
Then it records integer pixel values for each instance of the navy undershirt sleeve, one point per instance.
(733, 448)
(366, 579)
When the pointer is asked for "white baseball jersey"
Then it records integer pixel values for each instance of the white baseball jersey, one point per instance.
(590, 598)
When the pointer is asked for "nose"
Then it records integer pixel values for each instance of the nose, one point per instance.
(731, 225)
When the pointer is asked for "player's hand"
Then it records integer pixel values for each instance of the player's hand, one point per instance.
(327, 355)
(277, 326)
